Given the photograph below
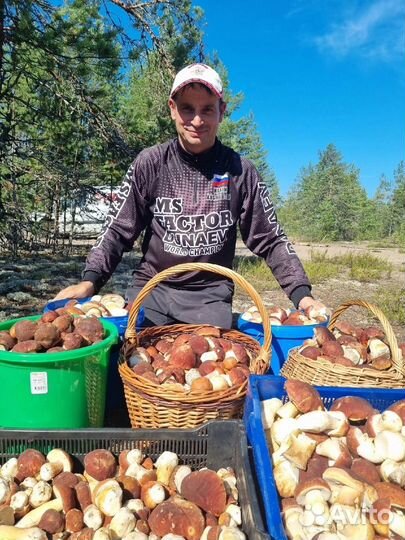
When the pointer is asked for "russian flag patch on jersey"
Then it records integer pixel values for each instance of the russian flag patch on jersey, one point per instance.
(220, 180)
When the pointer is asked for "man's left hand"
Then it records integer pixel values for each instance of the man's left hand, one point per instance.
(313, 307)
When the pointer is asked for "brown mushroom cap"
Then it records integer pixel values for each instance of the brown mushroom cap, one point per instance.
(316, 466)
(30, 346)
(47, 335)
(312, 484)
(100, 464)
(29, 463)
(183, 357)
(311, 352)
(177, 516)
(365, 471)
(199, 344)
(303, 395)
(90, 328)
(332, 348)
(23, 330)
(131, 488)
(323, 334)
(399, 408)
(393, 492)
(52, 522)
(7, 341)
(206, 489)
(355, 408)
(74, 520)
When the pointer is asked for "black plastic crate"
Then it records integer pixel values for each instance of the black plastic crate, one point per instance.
(220, 443)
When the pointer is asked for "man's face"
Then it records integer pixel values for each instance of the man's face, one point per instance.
(197, 115)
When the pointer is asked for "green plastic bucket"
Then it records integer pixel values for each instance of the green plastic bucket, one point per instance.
(62, 390)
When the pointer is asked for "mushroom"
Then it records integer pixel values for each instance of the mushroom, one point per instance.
(92, 517)
(345, 489)
(57, 461)
(304, 396)
(165, 465)
(177, 516)
(74, 520)
(269, 408)
(41, 493)
(355, 408)
(106, 534)
(52, 522)
(13, 533)
(100, 464)
(392, 471)
(399, 408)
(336, 451)
(29, 464)
(108, 497)
(122, 523)
(206, 490)
(34, 516)
(9, 469)
(386, 421)
(286, 476)
(300, 449)
(313, 494)
(152, 494)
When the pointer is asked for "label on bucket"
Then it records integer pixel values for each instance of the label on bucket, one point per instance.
(39, 382)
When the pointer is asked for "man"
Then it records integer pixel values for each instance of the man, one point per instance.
(189, 195)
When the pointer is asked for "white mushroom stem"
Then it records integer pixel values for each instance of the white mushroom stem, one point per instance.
(34, 517)
(394, 472)
(135, 456)
(320, 422)
(92, 517)
(286, 476)
(41, 493)
(122, 523)
(231, 533)
(282, 429)
(179, 476)
(235, 512)
(344, 514)
(50, 470)
(300, 449)
(269, 409)
(165, 465)
(391, 445)
(386, 421)
(293, 519)
(102, 534)
(333, 449)
(13, 533)
(19, 501)
(153, 495)
(397, 524)
(134, 505)
(5, 491)
(288, 410)
(9, 469)
(136, 535)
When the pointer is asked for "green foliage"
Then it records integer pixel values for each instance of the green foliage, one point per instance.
(327, 202)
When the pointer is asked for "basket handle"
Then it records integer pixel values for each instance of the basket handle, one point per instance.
(207, 267)
(391, 338)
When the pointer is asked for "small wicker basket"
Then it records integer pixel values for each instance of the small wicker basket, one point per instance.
(158, 406)
(323, 373)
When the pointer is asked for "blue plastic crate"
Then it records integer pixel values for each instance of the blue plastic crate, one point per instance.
(283, 339)
(267, 386)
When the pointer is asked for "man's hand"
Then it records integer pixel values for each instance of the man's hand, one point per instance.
(80, 290)
(313, 308)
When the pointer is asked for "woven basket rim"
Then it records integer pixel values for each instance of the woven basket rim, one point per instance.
(163, 392)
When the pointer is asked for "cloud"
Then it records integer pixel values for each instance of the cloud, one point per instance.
(374, 32)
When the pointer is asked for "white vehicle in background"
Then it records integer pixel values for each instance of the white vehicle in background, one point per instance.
(83, 216)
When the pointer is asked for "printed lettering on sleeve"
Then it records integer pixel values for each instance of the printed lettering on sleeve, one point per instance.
(270, 214)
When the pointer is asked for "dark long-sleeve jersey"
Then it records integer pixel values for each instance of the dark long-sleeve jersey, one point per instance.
(190, 206)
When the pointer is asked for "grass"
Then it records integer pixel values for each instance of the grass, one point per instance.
(320, 267)
(391, 300)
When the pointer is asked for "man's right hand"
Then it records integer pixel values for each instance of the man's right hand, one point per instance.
(80, 290)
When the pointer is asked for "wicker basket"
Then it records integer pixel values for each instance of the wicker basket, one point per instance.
(154, 406)
(323, 373)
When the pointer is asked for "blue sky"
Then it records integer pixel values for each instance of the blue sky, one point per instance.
(315, 72)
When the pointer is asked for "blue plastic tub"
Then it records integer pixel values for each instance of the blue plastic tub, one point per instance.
(284, 338)
(115, 398)
(268, 386)
(120, 322)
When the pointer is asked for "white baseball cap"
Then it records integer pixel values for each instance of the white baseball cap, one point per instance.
(199, 73)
